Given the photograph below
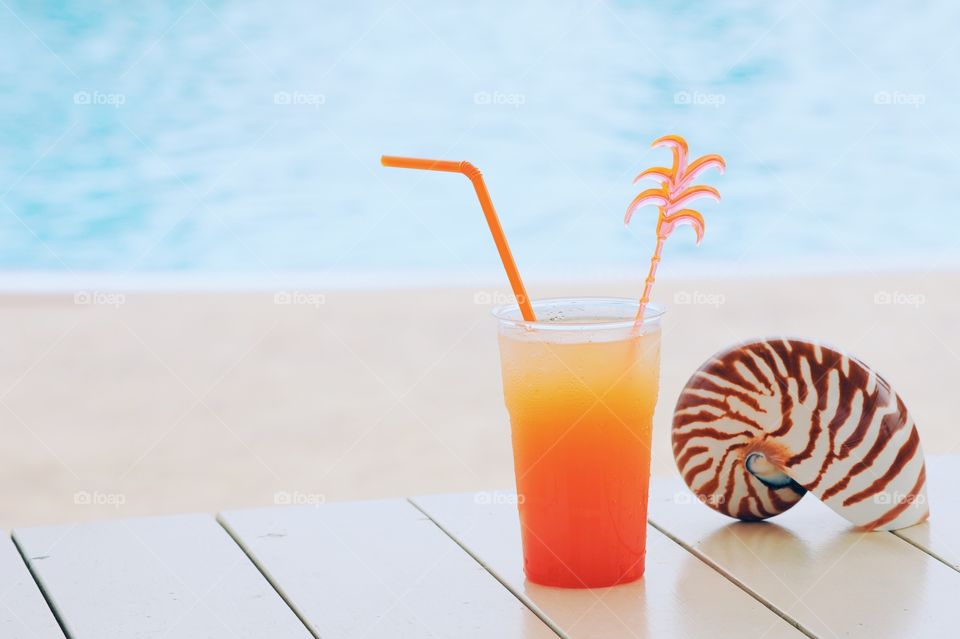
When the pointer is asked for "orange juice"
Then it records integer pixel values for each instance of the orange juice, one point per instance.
(580, 386)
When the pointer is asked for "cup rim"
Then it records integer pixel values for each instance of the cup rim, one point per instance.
(509, 314)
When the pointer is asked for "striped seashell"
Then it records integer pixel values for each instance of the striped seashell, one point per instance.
(761, 423)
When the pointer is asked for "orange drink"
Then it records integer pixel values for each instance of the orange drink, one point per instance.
(580, 385)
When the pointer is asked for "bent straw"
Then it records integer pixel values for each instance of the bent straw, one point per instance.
(474, 175)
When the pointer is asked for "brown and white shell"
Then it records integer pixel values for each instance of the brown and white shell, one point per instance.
(761, 423)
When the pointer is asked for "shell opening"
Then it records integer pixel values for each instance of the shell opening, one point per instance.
(760, 467)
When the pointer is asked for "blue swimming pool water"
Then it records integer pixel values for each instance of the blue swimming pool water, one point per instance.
(226, 137)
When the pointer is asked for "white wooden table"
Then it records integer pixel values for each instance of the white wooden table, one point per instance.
(450, 566)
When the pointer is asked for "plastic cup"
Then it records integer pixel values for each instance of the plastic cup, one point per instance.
(580, 386)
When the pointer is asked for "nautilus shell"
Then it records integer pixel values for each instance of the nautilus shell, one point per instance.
(762, 423)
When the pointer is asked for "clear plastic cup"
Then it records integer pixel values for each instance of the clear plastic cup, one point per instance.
(581, 385)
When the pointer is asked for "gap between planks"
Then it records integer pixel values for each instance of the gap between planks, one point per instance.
(40, 587)
(729, 577)
(520, 597)
(923, 549)
(266, 575)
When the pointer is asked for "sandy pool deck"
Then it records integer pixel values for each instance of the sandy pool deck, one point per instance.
(152, 403)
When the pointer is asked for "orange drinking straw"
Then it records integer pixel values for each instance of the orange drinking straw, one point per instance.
(474, 175)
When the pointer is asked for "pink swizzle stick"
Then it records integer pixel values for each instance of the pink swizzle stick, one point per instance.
(670, 198)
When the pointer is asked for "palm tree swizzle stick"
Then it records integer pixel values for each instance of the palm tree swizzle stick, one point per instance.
(670, 197)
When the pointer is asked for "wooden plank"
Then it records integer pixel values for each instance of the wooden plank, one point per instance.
(23, 612)
(679, 596)
(180, 576)
(940, 536)
(813, 567)
(378, 569)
